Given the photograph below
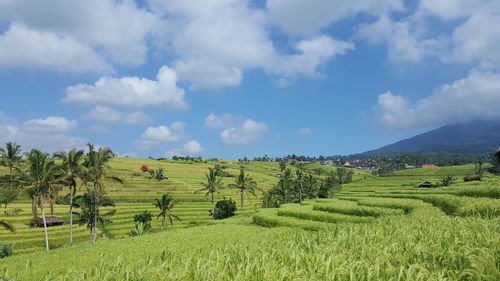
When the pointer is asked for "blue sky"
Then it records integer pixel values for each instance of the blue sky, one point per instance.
(234, 78)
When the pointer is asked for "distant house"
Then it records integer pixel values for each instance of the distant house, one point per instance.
(430, 166)
(425, 184)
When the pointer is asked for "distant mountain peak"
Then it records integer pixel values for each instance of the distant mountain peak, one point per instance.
(460, 138)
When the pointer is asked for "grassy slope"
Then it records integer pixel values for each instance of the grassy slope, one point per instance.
(351, 243)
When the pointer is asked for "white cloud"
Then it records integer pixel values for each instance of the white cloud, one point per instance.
(23, 47)
(303, 131)
(306, 17)
(225, 121)
(50, 125)
(47, 134)
(190, 148)
(110, 115)
(404, 44)
(118, 29)
(131, 92)
(474, 97)
(477, 39)
(212, 53)
(237, 130)
(412, 39)
(174, 133)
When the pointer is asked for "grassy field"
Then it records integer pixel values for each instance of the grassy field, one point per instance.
(376, 228)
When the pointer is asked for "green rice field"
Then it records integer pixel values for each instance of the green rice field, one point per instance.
(376, 228)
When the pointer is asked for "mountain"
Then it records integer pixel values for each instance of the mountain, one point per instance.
(460, 138)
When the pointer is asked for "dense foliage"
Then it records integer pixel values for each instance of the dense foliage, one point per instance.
(224, 208)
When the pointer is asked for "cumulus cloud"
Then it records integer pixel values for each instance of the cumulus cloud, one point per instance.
(23, 47)
(303, 131)
(131, 91)
(110, 115)
(212, 53)
(306, 17)
(474, 97)
(50, 125)
(174, 133)
(237, 130)
(190, 148)
(411, 39)
(48, 134)
(66, 30)
(404, 45)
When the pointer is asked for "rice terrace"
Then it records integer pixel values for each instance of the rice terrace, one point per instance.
(249, 140)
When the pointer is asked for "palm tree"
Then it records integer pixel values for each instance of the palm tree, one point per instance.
(299, 183)
(166, 204)
(94, 172)
(41, 173)
(7, 226)
(71, 168)
(213, 184)
(245, 184)
(11, 157)
(89, 215)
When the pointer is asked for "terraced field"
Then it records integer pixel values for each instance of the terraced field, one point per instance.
(377, 228)
(137, 195)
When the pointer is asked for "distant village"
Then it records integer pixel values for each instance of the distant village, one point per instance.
(362, 164)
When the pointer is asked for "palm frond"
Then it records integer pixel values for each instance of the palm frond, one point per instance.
(7, 226)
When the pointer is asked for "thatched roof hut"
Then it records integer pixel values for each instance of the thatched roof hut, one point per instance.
(425, 184)
(50, 220)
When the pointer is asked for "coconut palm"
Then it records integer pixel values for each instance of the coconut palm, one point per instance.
(299, 183)
(40, 174)
(166, 204)
(89, 214)
(7, 226)
(94, 172)
(71, 168)
(11, 157)
(245, 184)
(213, 184)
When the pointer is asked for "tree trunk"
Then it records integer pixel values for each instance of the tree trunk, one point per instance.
(213, 206)
(45, 228)
(242, 203)
(164, 224)
(94, 223)
(10, 170)
(71, 217)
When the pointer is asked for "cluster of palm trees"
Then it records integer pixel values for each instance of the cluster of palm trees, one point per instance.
(243, 182)
(36, 173)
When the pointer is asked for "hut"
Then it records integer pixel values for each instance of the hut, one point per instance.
(50, 220)
(425, 184)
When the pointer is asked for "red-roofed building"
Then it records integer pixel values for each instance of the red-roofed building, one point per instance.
(430, 166)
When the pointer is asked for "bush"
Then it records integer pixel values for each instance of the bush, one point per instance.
(144, 168)
(472, 178)
(6, 250)
(224, 209)
(447, 180)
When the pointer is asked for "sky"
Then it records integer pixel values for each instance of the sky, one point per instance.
(235, 78)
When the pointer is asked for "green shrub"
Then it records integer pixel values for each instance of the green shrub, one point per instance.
(224, 209)
(471, 178)
(6, 250)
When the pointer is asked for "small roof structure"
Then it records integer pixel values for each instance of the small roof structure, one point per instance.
(430, 166)
(50, 220)
(425, 184)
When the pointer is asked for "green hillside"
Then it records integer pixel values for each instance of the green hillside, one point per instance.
(376, 228)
